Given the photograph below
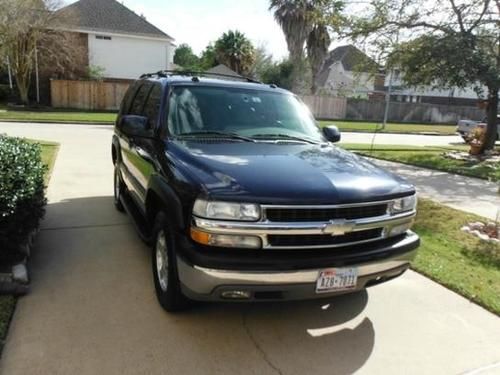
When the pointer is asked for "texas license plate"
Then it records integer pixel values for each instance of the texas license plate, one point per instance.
(336, 279)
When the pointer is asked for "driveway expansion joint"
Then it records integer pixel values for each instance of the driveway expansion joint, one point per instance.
(256, 344)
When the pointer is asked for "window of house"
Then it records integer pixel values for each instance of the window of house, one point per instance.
(103, 37)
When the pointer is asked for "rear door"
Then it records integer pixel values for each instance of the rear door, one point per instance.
(143, 149)
(131, 163)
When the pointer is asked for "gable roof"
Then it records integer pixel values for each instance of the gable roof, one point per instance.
(108, 16)
(351, 58)
(223, 69)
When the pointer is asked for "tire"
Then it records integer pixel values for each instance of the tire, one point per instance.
(165, 275)
(118, 189)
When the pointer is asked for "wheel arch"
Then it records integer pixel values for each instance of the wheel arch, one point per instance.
(161, 196)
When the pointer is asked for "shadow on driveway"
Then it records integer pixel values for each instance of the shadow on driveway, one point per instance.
(93, 310)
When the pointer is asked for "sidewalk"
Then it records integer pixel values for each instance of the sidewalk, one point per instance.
(468, 194)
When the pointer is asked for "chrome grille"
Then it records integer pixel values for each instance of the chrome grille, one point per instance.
(323, 239)
(324, 214)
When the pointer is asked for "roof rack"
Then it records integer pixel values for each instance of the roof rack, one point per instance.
(195, 74)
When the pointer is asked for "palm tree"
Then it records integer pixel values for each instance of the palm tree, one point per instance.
(318, 43)
(236, 51)
(294, 17)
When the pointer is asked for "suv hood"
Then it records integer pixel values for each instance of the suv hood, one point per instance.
(285, 173)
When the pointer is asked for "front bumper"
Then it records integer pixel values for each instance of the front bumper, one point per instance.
(207, 284)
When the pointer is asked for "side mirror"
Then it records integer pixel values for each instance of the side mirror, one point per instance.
(332, 133)
(137, 126)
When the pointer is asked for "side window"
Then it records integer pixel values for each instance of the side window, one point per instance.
(127, 99)
(138, 102)
(152, 107)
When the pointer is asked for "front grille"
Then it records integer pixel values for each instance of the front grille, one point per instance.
(323, 239)
(324, 214)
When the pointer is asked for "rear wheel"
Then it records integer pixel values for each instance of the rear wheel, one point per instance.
(119, 188)
(165, 275)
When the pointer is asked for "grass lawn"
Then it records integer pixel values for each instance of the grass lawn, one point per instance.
(370, 127)
(429, 157)
(8, 303)
(455, 259)
(57, 115)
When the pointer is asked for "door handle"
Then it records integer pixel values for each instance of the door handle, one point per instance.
(143, 153)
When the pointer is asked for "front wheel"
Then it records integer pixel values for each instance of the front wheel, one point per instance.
(166, 279)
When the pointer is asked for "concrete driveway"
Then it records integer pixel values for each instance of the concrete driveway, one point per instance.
(92, 308)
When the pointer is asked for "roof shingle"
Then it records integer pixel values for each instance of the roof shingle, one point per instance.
(352, 59)
(108, 16)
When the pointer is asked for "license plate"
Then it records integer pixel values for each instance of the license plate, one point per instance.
(336, 279)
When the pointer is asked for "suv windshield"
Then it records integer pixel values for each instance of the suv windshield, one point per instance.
(250, 113)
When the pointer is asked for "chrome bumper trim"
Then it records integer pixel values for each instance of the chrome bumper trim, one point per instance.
(203, 281)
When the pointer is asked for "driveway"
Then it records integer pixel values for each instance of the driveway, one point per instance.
(92, 308)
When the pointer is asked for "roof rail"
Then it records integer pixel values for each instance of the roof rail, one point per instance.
(167, 73)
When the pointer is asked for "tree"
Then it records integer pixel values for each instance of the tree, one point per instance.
(236, 51)
(296, 21)
(185, 57)
(29, 30)
(318, 43)
(308, 22)
(208, 57)
(445, 43)
(277, 73)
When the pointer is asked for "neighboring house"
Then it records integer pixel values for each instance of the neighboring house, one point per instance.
(122, 43)
(223, 70)
(349, 72)
(426, 94)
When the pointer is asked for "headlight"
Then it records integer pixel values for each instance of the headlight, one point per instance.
(404, 204)
(226, 210)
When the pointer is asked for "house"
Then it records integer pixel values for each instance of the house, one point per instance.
(223, 70)
(349, 72)
(116, 40)
(427, 94)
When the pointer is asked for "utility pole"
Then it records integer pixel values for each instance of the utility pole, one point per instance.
(388, 99)
(9, 72)
(37, 77)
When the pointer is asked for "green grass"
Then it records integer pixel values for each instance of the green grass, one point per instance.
(370, 127)
(455, 259)
(8, 303)
(429, 157)
(57, 116)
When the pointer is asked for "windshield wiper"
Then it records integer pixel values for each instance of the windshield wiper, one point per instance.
(286, 136)
(212, 133)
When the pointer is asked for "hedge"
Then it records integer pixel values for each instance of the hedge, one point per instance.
(22, 194)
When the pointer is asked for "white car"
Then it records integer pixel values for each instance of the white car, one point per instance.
(465, 127)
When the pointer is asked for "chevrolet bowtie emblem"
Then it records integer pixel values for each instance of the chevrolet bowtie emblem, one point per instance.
(339, 227)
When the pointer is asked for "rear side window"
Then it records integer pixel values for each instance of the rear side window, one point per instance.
(152, 107)
(140, 98)
(127, 99)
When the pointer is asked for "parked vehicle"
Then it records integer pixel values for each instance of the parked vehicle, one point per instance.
(465, 127)
(243, 198)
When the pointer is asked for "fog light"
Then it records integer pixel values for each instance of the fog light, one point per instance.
(236, 294)
(226, 240)
(400, 229)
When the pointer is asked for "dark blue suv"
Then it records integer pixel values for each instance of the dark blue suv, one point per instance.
(244, 198)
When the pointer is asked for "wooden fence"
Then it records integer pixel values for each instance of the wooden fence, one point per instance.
(327, 107)
(107, 95)
(88, 95)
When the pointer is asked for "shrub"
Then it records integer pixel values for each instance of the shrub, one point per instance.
(22, 193)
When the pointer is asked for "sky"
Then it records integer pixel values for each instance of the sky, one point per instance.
(199, 22)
